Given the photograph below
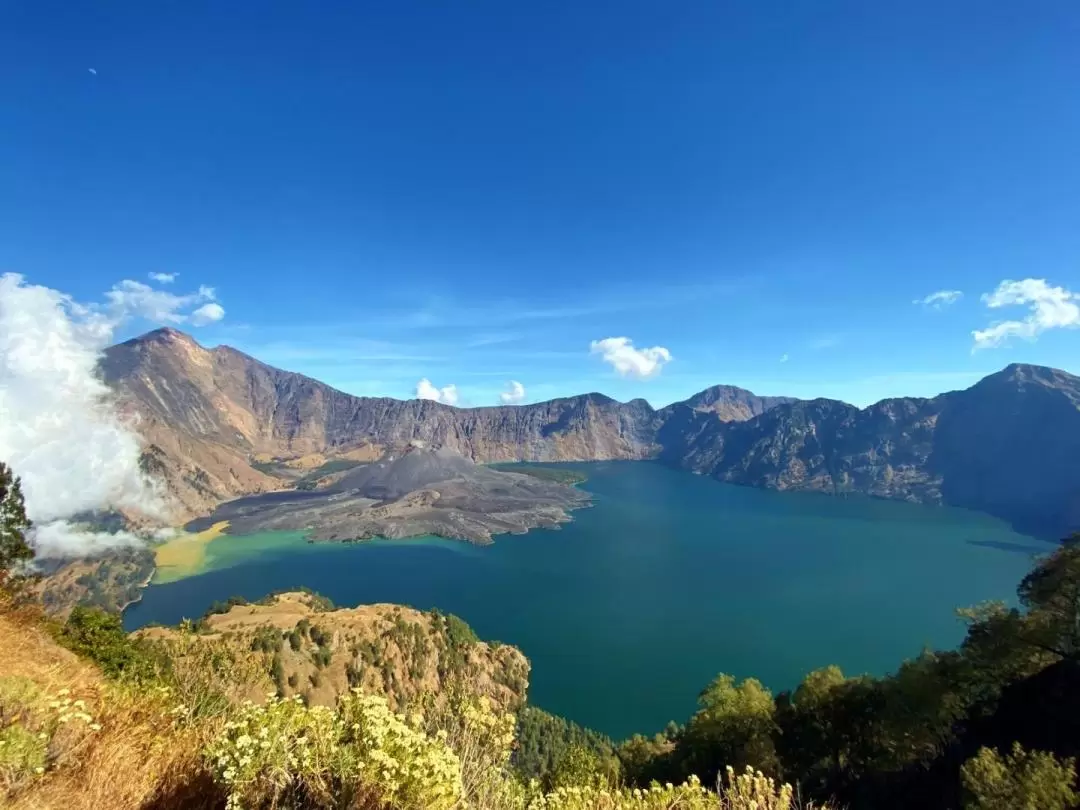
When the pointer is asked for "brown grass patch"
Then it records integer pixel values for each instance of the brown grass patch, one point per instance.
(137, 759)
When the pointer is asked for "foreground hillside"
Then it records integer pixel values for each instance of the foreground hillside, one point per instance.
(213, 715)
(218, 424)
(164, 725)
(319, 654)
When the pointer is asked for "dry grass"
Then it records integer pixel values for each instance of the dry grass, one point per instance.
(137, 759)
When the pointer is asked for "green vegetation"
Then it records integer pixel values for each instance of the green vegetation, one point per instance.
(100, 636)
(560, 475)
(15, 552)
(311, 479)
(549, 748)
(1022, 780)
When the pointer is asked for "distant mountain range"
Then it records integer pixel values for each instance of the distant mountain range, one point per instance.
(219, 424)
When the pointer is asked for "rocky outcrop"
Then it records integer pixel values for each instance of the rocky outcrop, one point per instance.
(320, 653)
(729, 403)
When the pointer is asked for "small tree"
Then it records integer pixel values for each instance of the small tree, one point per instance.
(14, 550)
(1051, 593)
(733, 727)
(1023, 780)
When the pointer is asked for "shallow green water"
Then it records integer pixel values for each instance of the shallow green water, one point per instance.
(627, 612)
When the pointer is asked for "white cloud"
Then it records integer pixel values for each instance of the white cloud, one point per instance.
(207, 313)
(447, 395)
(783, 358)
(640, 364)
(61, 431)
(514, 393)
(162, 278)
(939, 299)
(134, 299)
(1049, 308)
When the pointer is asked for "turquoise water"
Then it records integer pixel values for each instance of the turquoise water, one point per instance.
(670, 578)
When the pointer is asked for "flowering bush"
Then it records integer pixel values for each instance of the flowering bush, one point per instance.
(688, 796)
(286, 753)
(751, 790)
(37, 730)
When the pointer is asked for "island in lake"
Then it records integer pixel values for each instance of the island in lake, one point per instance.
(419, 492)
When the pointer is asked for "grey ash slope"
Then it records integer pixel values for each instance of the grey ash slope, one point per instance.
(420, 492)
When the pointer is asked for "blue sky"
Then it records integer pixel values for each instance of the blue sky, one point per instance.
(474, 193)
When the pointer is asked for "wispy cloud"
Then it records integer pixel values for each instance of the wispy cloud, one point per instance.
(514, 393)
(639, 364)
(447, 313)
(162, 278)
(133, 299)
(783, 358)
(342, 352)
(491, 339)
(448, 395)
(939, 299)
(825, 342)
(1048, 308)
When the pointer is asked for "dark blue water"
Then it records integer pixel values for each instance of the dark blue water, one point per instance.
(630, 610)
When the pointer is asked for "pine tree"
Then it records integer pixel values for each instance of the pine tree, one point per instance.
(14, 550)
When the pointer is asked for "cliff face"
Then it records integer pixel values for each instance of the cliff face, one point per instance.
(824, 445)
(1008, 445)
(210, 415)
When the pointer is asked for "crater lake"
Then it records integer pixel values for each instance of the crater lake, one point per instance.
(627, 612)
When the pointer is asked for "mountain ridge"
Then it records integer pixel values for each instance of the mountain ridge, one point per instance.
(212, 418)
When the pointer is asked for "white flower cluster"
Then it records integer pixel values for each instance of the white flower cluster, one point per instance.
(748, 791)
(268, 751)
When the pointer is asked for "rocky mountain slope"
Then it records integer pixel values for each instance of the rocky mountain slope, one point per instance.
(1008, 445)
(210, 416)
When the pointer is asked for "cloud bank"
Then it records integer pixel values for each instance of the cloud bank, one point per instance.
(1048, 308)
(61, 432)
(939, 299)
(514, 393)
(447, 395)
(639, 364)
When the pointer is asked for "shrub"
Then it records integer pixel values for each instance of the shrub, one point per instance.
(284, 753)
(100, 636)
(1022, 780)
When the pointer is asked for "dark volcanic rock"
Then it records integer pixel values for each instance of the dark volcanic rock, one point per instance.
(420, 492)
